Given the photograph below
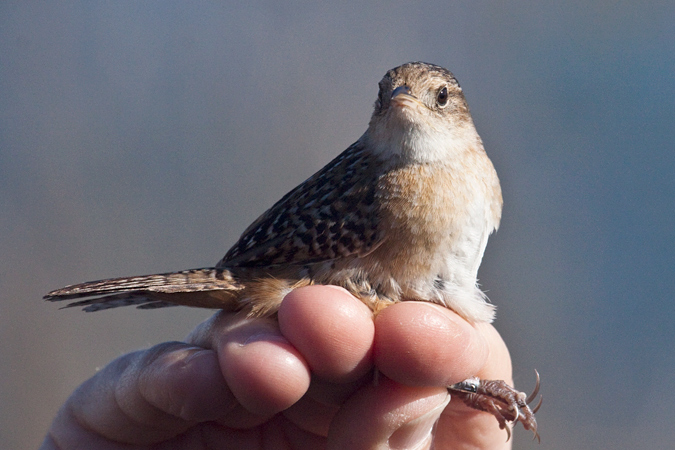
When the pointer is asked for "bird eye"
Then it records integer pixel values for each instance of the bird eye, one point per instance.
(442, 97)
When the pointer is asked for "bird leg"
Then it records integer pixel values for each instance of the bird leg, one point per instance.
(501, 400)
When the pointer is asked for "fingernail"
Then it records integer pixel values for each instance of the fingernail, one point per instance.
(417, 434)
(262, 335)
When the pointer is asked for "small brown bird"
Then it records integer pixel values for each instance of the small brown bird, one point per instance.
(403, 214)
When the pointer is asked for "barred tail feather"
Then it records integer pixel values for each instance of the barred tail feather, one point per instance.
(140, 299)
(208, 288)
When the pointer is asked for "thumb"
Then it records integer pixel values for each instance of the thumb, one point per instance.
(389, 416)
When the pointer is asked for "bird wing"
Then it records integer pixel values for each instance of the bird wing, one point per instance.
(332, 215)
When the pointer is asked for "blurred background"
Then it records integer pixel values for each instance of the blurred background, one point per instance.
(142, 137)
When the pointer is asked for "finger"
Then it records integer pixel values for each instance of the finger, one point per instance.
(311, 416)
(145, 397)
(334, 332)
(472, 428)
(332, 329)
(265, 373)
(423, 344)
(388, 416)
(498, 364)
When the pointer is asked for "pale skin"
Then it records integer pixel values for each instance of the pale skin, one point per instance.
(306, 382)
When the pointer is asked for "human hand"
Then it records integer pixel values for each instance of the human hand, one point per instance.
(303, 382)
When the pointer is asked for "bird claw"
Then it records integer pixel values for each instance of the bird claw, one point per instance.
(501, 400)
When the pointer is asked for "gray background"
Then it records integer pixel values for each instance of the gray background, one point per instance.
(140, 137)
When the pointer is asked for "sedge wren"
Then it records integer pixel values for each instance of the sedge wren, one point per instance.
(403, 214)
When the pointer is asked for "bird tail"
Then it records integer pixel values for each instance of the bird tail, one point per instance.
(207, 288)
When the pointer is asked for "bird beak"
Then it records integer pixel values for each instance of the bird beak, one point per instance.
(401, 90)
(402, 96)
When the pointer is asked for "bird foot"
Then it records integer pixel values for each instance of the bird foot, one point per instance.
(501, 400)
